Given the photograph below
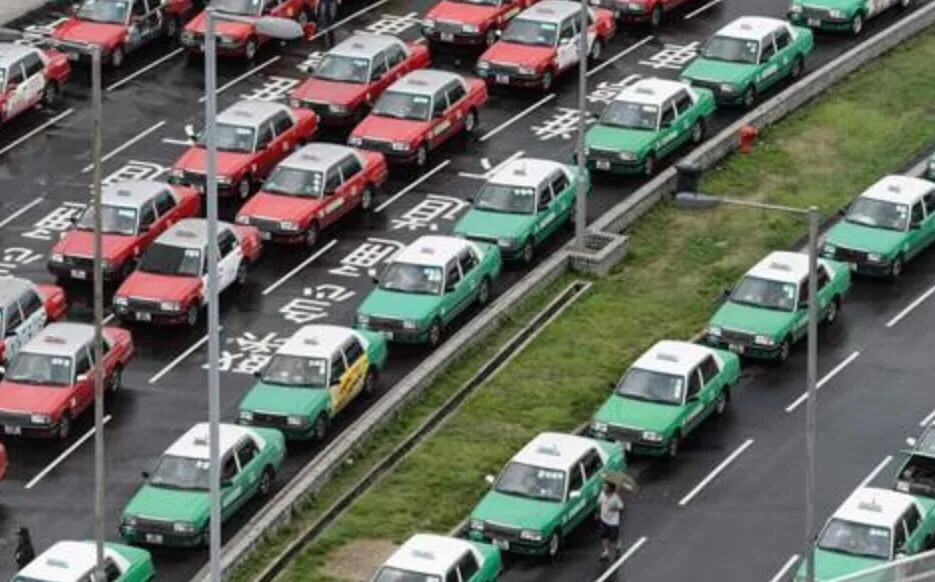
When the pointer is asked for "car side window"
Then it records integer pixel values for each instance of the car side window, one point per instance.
(246, 452)
(270, 4)
(395, 55)
(911, 520)
(282, 122)
(350, 167)
(229, 468)
(33, 64)
(683, 102)
(592, 464)
(468, 566)
(379, 67)
(452, 275)
(439, 103)
(332, 180)
(12, 318)
(15, 73)
(709, 369)
(353, 351)
(147, 215)
(668, 114)
(803, 292)
(165, 202)
(899, 536)
(338, 367)
(694, 382)
(468, 261)
(783, 38)
(559, 183)
(575, 478)
(452, 575)
(456, 92)
(30, 303)
(138, 8)
(769, 49)
(83, 361)
(823, 279)
(929, 200)
(545, 198)
(266, 135)
(568, 30)
(226, 243)
(918, 212)
(111, 571)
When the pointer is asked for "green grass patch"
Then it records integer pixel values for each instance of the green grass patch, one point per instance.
(871, 124)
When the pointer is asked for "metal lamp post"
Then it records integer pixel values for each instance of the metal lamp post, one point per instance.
(695, 200)
(268, 26)
(581, 200)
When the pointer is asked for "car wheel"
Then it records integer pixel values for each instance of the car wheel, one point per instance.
(242, 273)
(833, 311)
(649, 165)
(311, 235)
(366, 198)
(321, 427)
(115, 382)
(243, 188)
(483, 294)
(172, 27)
(250, 49)
(435, 333)
(547, 81)
(116, 57)
(50, 93)
(491, 36)
(798, 67)
(529, 252)
(555, 545)
(422, 156)
(656, 18)
(749, 97)
(64, 427)
(897, 268)
(370, 383)
(672, 451)
(722, 402)
(596, 50)
(266, 482)
(470, 123)
(785, 348)
(698, 131)
(191, 316)
(857, 24)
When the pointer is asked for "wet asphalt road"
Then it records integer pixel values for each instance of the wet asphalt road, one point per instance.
(742, 527)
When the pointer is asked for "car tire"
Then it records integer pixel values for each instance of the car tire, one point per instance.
(749, 97)
(370, 383)
(244, 188)
(191, 316)
(422, 156)
(672, 451)
(366, 198)
(698, 131)
(798, 67)
(597, 49)
(785, 348)
(171, 27)
(50, 93)
(483, 294)
(555, 545)
(435, 333)
(529, 252)
(656, 19)
(250, 49)
(115, 382)
(312, 234)
(547, 80)
(64, 427)
(834, 310)
(722, 404)
(242, 275)
(266, 482)
(320, 430)
(117, 57)
(649, 165)
(471, 123)
(896, 270)
(857, 24)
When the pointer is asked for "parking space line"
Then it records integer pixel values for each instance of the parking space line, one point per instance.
(717, 471)
(619, 55)
(340, 23)
(902, 314)
(38, 130)
(20, 212)
(441, 166)
(230, 84)
(626, 556)
(301, 266)
(876, 471)
(125, 145)
(191, 349)
(148, 67)
(827, 378)
(517, 117)
(792, 561)
(493, 170)
(702, 8)
(58, 460)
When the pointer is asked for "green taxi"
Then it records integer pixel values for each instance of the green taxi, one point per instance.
(872, 527)
(425, 286)
(917, 474)
(310, 379)
(521, 205)
(173, 507)
(549, 488)
(748, 56)
(75, 561)
(767, 311)
(645, 122)
(840, 15)
(665, 395)
(887, 225)
(433, 558)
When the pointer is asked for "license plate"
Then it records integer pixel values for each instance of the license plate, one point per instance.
(14, 430)
(852, 266)
(603, 165)
(265, 235)
(153, 538)
(144, 316)
(814, 22)
(502, 544)
(78, 274)
(736, 348)
(387, 334)
(447, 37)
(503, 79)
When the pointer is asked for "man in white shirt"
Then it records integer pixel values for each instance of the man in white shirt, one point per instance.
(610, 510)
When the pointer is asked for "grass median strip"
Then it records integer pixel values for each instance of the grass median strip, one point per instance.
(873, 122)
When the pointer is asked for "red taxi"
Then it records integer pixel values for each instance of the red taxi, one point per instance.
(25, 308)
(312, 189)
(120, 27)
(133, 214)
(252, 136)
(470, 22)
(353, 74)
(170, 284)
(241, 38)
(542, 43)
(651, 11)
(419, 113)
(52, 380)
(29, 77)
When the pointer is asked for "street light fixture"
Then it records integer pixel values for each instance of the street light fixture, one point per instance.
(693, 200)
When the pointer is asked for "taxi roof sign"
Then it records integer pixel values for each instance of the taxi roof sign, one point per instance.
(184, 233)
(54, 339)
(519, 170)
(780, 266)
(56, 563)
(124, 193)
(200, 441)
(550, 449)
(870, 505)
(312, 341)
(423, 555)
(644, 90)
(893, 187)
(667, 357)
(427, 251)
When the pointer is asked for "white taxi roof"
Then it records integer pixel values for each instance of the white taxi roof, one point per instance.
(526, 172)
(432, 250)
(68, 561)
(424, 82)
(652, 91)
(751, 27)
(12, 289)
(551, 10)
(60, 339)
(11, 52)
(429, 554)
(316, 341)
(874, 506)
(554, 450)
(673, 357)
(365, 45)
(317, 156)
(133, 193)
(251, 112)
(194, 443)
(899, 189)
(783, 266)
(189, 233)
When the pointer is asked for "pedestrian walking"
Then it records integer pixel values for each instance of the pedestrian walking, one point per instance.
(327, 12)
(24, 552)
(610, 512)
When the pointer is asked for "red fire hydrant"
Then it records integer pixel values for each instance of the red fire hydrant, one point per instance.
(748, 135)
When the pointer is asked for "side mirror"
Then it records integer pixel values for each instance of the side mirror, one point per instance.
(489, 479)
(81, 377)
(574, 494)
(145, 227)
(692, 398)
(450, 287)
(190, 132)
(612, 385)
(145, 474)
(842, 212)
(498, 32)
(727, 291)
(803, 305)
(911, 442)
(74, 8)
(470, 200)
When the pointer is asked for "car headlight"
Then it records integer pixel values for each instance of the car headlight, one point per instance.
(764, 340)
(410, 324)
(875, 257)
(483, 65)
(428, 23)
(477, 525)
(527, 71)
(634, 7)
(242, 219)
(121, 301)
(649, 435)
(727, 88)
(40, 419)
(170, 306)
(796, 8)
(837, 14)
(295, 421)
(469, 28)
(106, 265)
(627, 156)
(531, 535)
(715, 331)
(289, 225)
(363, 319)
(224, 180)
(337, 108)
(354, 140)
(177, 173)
(129, 520)
(400, 146)
(506, 243)
(183, 528)
(229, 41)
(597, 426)
(246, 415)
(58, 258)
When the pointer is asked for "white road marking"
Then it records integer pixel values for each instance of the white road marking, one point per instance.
(230, 84)
(148, 67)
(494, 170)
(108, 319)
(20, 212)
(408, 188)
(485, 163)
(792, 561)
(173, 141)
(702, 8)
(827, 378)
(902, 314)
(928, 419)
(181, 357)
(339, 23)
(626, 556)
(301, 266)
(876, 471)
(38, 130)
(58, 460)
(717, 471)
(517, 117)
(125, 145)
(619, 55)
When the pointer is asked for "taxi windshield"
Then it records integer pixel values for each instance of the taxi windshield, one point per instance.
(162, 259)
(245, 7)
(631, 115)
(344, 69)
(295, 182)
(233, 138)
(114, 220)
(181, 473)
(764, 293)
(506, 198)
(403, 106)
(652, 386)
(42, 369)
(388, 574)
(878, 214)
(733, 50)
(410, 278)
(859, 539)
(286, 370)
(524, 480)
(107, 11)
(531, 32)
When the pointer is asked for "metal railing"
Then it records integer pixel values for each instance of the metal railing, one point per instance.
(919, 568)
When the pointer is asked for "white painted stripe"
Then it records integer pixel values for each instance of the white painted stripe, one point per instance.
(20, 212)
(717, 471)
(928, 419)
(702, 8)
(902, 314)
(827, 378)
(517, 117)
(620, 561)
(58, 460)
(339, 23)
(230, 84)
(876, 471)
(126, 145)
(181, 357)
(301, 266)
(38, 130)
(148, 67)
(408, 188)
(619, 55)
(493, 170)
(173, 141)
(792, 561)
(108, 319)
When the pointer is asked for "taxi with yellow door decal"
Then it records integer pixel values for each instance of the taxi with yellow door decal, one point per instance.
(311, 378)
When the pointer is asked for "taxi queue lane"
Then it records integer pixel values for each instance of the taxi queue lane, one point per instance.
(151, 414)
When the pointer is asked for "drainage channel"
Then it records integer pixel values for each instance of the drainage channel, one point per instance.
(510, 350)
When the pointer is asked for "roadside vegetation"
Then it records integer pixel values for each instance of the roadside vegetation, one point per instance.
(871, 124)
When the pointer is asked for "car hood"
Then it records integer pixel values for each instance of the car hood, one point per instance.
(484, 223)
(170, 504)
(390, 129)
(865, 238)
(280, 207)
(80, 243)
(32, 398)
(229, 163)
(519, 54)
(462, 12)
(159, 287)
(265, 397)
(718, 71)
(223, 28)
(383, 303)
(618, 139)
(91, 32)
(514, 511)
(833, 565)
(335, 92)
(634, 413)
(748, 318)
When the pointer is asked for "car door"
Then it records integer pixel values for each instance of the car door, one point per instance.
(769, 64)
(696, 401)
(825, 288)
(14, 336)
(593, 467)
(149, 222)
(916, 538)
(341, 389)
(250, 469)
(397, 60)
(455, 296)
(152, 22)
(137, 26)
(334, 196)
(34, 315)
(232, 490)
(380, 77)
(440, 125)
(567, 52)
(928, 225)
(785, 51)
(563, 200)
(83, 392)
(17, 91)
(921, 228)
(34, 72)
(800, 317)
(468, 567)
(353, 182)
(471, 275)
(357, 365)
(712, 384)
(458, 105)
(268, 150)
(577, 500)
(545, 215)
(166, 210)
(669, 129)
(685, 117)
(229, 257)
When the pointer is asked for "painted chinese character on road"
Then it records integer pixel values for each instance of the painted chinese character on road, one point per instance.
(426, 213)
(367, 255)
(56, 221)
(672, 56)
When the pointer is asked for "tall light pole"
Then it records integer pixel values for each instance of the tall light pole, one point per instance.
(695, 200)
(581, 194)
(273, 27)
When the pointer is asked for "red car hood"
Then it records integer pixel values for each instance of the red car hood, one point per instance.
(80, 243)
(278, 207)
(461, 12)
(159, 287)
(223, 28)
(389, 128)
(330, 91)
(519, 54)
(91, 32)
(32, 398)
(229, 163)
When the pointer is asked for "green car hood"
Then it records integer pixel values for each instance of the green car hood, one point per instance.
(719, 71)
(834, 565)
(170, 504)
(517, 511)
(846, 6)
(874, 240)
(638, 413)
(608, 137)
(383, 303)
(748, 318)
(285, 399)
(494, 224)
